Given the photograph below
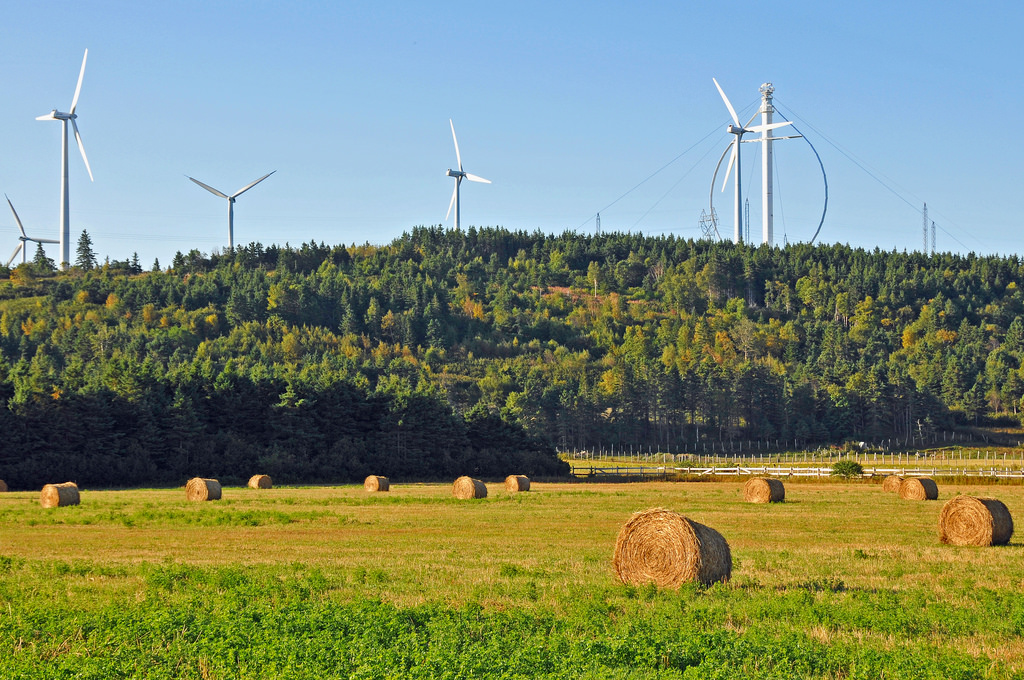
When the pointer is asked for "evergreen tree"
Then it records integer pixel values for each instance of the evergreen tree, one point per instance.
(85, 258)
(41, 262)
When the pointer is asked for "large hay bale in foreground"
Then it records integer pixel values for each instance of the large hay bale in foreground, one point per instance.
(967, 520)
(261, 482)
(57, 495)
(891, 484)
(200, 489)
(516, 483)
(466, 487)
(764, 490)
(376, 483)
(918, 489)
(3, 486)
(662, 547)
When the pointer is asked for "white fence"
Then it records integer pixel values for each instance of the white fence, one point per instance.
(787, 471)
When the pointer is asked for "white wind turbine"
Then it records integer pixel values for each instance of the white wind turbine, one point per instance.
(23, 238)
(734, 159)
(231, 202)
(65, 226)
(459, 175)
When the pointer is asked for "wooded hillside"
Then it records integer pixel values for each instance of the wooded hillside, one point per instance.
(473, 352)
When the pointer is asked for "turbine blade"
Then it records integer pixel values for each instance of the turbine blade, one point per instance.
(732, 162)
(474, 178)
(209, 188)
(42, 240)
(452, 204)
(16, 218)
(250, 186)
(81, 147)
(770, 126)
(78, 88)
(456, 140)
(728, 105)
(15, 253)
(48, 116)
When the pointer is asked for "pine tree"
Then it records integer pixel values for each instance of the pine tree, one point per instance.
(85, 257)
(41, 262)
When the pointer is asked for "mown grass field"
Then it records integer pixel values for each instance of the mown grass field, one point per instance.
(840, 581)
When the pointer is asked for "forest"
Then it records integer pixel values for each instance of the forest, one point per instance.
(483, 351)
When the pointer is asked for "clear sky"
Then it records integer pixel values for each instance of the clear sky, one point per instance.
(566, 107)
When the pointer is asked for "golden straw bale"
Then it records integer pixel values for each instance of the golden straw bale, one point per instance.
(514, 483)
(55, 495)
(3, 486)
(764, 490)
(967, 520)
(376, 483)
(467, 487)
(892, 483)
(919, 489)
(662, 547)
(200, 489)
(261, 482)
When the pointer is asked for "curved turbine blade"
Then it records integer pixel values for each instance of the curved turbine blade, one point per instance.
(209, 188)
(48, 116)
(250, 186)
(16, 218)
(81, 147)
(732, 111)
(452, 204)
(474, 178)
(732, 162)
(456, 140)
(15, 253)
(78, 88)
(41, 240)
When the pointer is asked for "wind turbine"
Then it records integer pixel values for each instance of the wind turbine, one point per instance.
(734, 159)
(65, 226)
(23, 238)
(231, 202)
(459, 175)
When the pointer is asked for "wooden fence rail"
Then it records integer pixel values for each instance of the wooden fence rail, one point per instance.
(664, 472)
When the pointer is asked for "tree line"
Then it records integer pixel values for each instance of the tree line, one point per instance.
(446, 350)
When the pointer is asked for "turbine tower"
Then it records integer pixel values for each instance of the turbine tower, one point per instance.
(231, 202)
(459, 175)
(65, 226)
(734, 159)
(23, 238)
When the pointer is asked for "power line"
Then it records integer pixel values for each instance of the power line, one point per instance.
(875, 177)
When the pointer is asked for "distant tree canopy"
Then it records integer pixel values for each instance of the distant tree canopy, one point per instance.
(475, 351)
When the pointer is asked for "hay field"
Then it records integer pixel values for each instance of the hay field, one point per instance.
(840, 580)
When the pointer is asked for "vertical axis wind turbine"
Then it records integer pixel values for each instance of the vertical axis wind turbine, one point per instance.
(65, 226)
(231, 202)
(734, 159)
(23, 238)
(459, 175)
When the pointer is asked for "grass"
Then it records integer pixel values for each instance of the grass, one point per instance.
(839, 581)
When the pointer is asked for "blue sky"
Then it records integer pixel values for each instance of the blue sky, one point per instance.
(565, 108)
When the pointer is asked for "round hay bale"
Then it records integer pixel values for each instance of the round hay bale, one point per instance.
(199, 489)
(764, 490)
(261, 482)
(662, 547)
(967, 520)
(376, 483)
(3, 486)
(891, 484)
(516, 483)
(466, 487)
(918, 489)
(57, 495)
